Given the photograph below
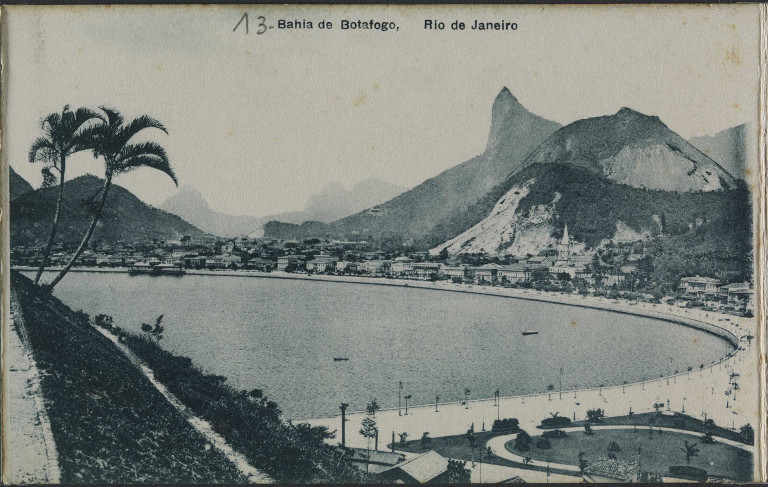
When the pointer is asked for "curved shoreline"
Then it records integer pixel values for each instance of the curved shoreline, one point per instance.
(598, 303)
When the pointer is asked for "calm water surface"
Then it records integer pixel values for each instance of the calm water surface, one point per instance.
(281, 336)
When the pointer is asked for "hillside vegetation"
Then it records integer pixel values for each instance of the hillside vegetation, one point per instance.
(125, 217)
(109, 423)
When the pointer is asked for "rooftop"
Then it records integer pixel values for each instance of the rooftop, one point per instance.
(425, 467)
(617, 469)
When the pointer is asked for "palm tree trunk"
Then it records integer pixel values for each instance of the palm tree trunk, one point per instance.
(55, 226)
(87, 237)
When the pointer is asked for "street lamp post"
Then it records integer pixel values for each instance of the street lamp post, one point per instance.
(437, 398)
(343, 408)
(399, 394)
(561, 383)
(406, 403)
(683, 406)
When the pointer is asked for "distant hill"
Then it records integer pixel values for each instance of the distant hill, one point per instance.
(125, 217)
(634, 149)
(332, 203)
(17, 185)
(728, 147)
(514, 133)
(335, 201)
(190, 205)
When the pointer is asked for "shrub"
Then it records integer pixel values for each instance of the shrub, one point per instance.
(554, 434)
(458, 473)
(686, 471)
(506, 424)
(543, 444)
(556, 422)
(523, 441)
(614, 447)
(595, 415)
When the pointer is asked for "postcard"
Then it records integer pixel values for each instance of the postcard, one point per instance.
(383, 244)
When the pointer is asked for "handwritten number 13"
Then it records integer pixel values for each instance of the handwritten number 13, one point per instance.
(260, 28)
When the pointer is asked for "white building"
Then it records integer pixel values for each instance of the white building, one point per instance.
(402, 266)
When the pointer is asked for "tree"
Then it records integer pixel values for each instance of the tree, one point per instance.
(458, 473)
(425, 440)
(111, 141)
(368, 427)
(147, 328)
(690, 450)
(65, 133)
(472, 439)
(582, 461)
(748, 433)
(595, 415)
(103, 321)
(523, 441)
(158, 330)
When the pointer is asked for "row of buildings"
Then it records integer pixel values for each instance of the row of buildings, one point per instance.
(709, 289)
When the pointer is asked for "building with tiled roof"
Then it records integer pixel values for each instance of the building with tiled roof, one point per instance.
(611, 471)
(429, 467)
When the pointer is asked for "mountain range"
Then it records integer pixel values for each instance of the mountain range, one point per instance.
(411, 216)
(124, 218)
(728, 148)
(332, 203)
(620, 177)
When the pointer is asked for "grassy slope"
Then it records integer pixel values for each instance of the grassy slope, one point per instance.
(252, 425)
(109, 423)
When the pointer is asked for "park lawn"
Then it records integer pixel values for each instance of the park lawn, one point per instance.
(678, 421)
(457, 447)
(658, 452)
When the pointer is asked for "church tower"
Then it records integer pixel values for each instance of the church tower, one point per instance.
(564, 247)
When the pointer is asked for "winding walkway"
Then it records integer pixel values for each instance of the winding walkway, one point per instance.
(203, 427)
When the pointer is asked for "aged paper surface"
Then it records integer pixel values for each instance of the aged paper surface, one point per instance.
(382, 244)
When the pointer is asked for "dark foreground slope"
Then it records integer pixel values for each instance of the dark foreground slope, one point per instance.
(109, 423)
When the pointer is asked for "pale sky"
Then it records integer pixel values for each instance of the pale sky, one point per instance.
(259, 122)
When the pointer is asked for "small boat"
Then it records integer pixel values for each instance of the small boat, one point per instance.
(340, 359)
(529, 332)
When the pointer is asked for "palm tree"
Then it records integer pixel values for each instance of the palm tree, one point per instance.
(111, 141)
(65, 133)
(690, 451)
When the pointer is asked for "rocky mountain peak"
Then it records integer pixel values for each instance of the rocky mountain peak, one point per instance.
(510, 121)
